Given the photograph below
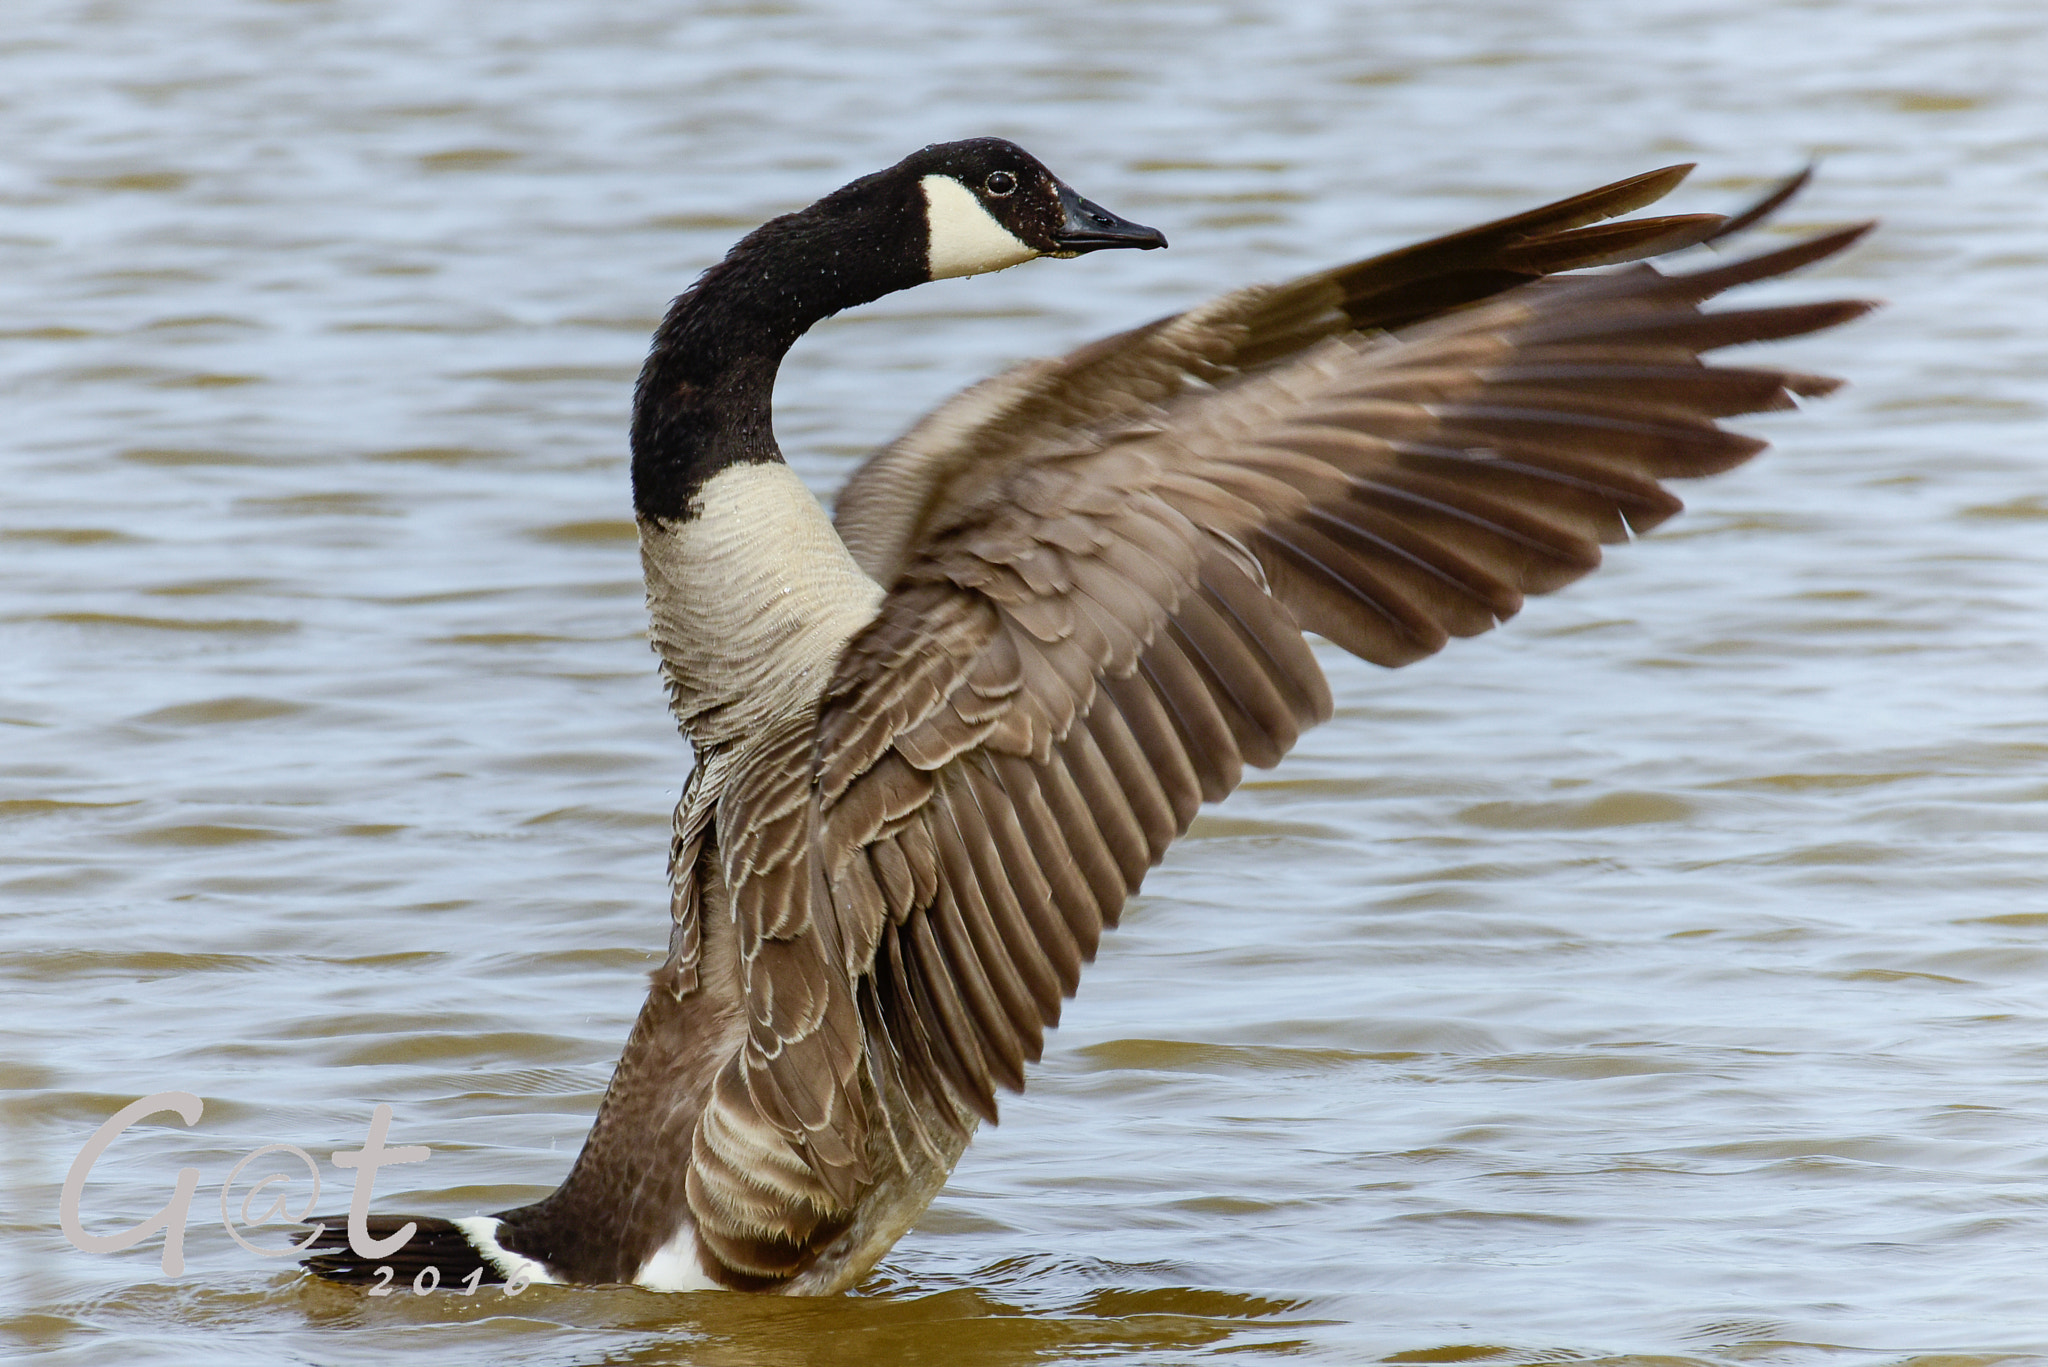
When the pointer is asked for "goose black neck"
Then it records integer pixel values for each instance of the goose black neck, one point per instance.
(705, 399)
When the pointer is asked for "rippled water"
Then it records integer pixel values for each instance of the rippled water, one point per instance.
(1661, 979)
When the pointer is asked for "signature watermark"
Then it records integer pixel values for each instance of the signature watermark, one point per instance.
(175, 1213)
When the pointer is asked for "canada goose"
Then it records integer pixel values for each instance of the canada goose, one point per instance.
(939, 742)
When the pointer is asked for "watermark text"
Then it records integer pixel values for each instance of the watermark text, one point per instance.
(173, 1215)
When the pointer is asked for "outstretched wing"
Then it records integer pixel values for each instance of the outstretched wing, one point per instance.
(926, 475)
(1081, 650)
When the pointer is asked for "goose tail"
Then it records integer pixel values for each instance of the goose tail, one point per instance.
(455, 1250)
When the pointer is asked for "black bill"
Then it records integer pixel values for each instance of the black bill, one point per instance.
(1089, 227)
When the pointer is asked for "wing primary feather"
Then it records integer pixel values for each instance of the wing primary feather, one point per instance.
(1246, 739)
(1204, 734)
(1087, 886)
(1705, 284)
(1692, 388)
(1265, 623)
(1239, 672)
(1596, 490)
(1003, 1048)
(1430, 278)
(1099, 796)
(1612, 244)
(1571, 554)
(1695, 331)
(1022, 980)
(1133, 773)
(1010, 883)
(1034, 873)
(1772, 200)
(1451, 605)
(886, 1064)
(915, 1027)
(1574, 431)
(1307, 549)
(940, 1003)
(1160, 740)
(1374, 531)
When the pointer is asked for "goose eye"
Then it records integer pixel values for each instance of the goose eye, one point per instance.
(1000, 184)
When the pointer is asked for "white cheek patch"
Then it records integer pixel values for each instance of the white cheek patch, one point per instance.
(965, 238)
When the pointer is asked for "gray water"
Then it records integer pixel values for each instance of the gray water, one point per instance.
(1661, 979)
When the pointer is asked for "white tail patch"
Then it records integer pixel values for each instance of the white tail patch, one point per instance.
(965, 237)
(482, 1233)
(675, 1266)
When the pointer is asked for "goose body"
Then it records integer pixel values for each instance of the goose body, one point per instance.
(939, 742)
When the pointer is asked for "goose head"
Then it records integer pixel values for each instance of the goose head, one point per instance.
(988, 204)
(950, 209)
(704, 400)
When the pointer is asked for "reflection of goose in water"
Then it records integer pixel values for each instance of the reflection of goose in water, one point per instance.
(940, 740)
